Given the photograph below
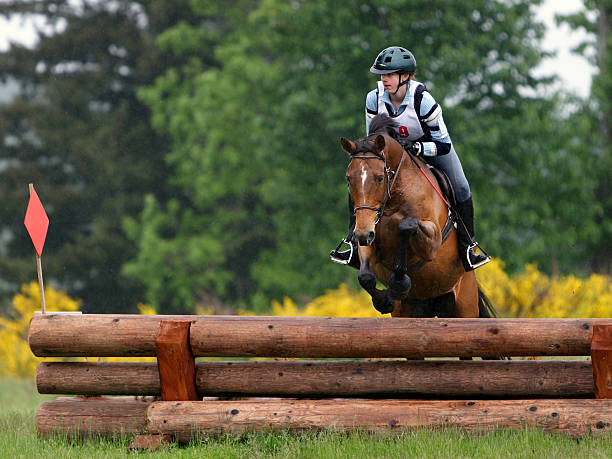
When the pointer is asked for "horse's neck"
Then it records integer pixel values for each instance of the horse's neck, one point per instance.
(394, 159)
(412, 185)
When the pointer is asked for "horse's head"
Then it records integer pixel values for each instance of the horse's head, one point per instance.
(370, 177)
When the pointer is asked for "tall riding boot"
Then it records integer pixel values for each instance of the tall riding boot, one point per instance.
(347, 257)
(467, 242)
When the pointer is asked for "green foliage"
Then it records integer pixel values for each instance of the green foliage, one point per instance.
(594, 120)
(255, 141)
(177, 267)
(76, 129)
(243, 171)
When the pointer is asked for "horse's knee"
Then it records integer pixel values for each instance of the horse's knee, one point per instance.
(408, 226)
(367, 280)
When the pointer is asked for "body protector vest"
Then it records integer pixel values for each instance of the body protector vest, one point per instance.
(408, 124)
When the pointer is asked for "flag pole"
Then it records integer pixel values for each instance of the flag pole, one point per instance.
(40, 276)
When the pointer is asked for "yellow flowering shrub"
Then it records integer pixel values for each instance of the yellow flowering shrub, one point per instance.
(338, 302)
(16, 359)
(527, 294)
(535, 294)
(146, 309)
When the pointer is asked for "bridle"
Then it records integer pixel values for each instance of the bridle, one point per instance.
(388, 183)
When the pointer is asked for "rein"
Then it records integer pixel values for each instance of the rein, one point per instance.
(388, 184)
(416, 163)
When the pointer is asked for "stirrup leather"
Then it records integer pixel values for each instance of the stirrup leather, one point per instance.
(339, 260)
(471, 247)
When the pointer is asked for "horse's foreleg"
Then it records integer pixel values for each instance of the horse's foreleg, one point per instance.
(399, 282)
(424, 238)
(367, 280)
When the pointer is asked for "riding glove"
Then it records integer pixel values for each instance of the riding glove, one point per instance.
(416, 149)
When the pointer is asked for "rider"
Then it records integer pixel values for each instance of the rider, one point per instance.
(422, 131)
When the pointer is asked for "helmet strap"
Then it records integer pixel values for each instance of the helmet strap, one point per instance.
(400, 82)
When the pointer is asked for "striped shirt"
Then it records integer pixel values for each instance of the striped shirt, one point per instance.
(436, 140)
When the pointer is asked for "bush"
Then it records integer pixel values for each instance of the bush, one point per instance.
(535, 294)
(16, 359)
(528, 294)
(338, 303)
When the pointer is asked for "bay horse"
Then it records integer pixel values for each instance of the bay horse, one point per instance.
(405, 231)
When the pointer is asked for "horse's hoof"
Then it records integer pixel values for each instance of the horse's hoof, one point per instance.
(398, 288)
(384, 306)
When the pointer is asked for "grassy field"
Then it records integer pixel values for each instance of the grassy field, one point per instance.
(19, 400)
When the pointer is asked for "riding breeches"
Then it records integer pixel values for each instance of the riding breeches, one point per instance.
(451, 165)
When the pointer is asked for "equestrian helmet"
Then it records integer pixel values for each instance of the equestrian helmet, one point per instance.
(394, 59)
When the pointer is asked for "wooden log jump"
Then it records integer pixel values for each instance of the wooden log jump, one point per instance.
(441, 379)
(185, 420)
(105, 335)
(567, 396)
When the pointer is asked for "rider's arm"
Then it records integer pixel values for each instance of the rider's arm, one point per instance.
(371, 108)
(431, 115)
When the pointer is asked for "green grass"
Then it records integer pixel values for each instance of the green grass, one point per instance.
(20, 395)
(18, 438)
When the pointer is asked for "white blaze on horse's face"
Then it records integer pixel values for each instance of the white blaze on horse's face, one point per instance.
(364, 175)
(367, 190)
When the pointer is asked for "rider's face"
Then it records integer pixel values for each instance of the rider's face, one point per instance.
(391, 80)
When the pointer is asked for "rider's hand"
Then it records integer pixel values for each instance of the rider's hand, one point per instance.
(416, 149)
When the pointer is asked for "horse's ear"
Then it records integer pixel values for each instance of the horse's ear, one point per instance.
(379, 143)
(348, 146)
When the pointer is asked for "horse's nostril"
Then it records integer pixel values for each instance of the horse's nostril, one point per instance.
(371, 235)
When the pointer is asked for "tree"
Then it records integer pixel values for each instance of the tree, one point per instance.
(255, 149)
(78, 131)
(594, 138)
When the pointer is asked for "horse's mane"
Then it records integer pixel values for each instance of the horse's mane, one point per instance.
(383, 124)
(380, 124)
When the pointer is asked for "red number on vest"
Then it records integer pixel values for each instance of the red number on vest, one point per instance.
(403, 131)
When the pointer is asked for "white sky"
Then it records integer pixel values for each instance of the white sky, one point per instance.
(574, 71)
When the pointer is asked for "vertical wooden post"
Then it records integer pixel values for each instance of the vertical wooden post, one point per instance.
(601, 356)
(175, 361)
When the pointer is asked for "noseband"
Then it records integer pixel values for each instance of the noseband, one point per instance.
(388, 183)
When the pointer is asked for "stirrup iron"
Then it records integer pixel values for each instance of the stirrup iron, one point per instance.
(471, 247)
(339, 260)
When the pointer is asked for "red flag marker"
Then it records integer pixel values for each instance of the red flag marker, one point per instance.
(37, 223)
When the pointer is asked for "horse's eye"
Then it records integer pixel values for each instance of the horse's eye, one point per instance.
(379, 178)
